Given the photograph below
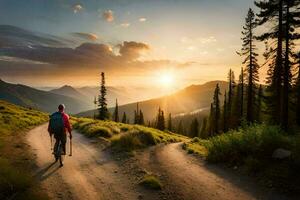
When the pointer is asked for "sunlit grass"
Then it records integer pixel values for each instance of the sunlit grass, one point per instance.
(15, 182)
(14, 118)
(125, 136)
(251, 149)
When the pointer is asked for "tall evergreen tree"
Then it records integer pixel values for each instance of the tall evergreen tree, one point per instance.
(211, 120)
(241, 85)
(116, 112)
(160, 122)
(124, 118)
(271, 12)
(180, 128)
(194, 128)
(291, 23)
(163, 122)
(170, 125)
(250, 60)
(137, 114)
(217, 110)
(203, 131)
(141, 118)
(225, 120)
(238, 107)
(103, 112)
(297, 93)
(258, 110)
(231, 87)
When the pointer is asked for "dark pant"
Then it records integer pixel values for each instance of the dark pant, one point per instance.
(60, 137)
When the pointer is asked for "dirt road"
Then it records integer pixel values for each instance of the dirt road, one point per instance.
(88, 174)
(93, 174)
(186, 177)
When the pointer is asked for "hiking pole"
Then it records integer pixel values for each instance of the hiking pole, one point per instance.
(70, 147)
(51, 141)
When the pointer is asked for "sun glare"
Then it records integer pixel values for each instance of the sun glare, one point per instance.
(166, 79)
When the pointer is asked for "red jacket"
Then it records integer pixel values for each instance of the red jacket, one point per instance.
(67, 122)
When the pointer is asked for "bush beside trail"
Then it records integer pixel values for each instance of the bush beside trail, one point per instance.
(250, 149)
(124, 137)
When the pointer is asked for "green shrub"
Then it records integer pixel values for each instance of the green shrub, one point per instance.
(151, 182)
(259, 140)
(124, 137)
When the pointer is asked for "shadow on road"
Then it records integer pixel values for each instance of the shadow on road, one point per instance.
(46, 172)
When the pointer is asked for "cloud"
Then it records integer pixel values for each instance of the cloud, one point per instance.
(108, 15)
(76, 8)
(132, 50)
(210, 39)
(15, 36)
(201, 40)
(142, 19)
(87, 36)
(85, 60)
(125, 25)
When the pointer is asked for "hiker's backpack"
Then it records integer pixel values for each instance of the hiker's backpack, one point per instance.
(57, 123)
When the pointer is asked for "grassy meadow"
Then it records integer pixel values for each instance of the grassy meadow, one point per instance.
(124, 137)
(16, 181)
(250, 150)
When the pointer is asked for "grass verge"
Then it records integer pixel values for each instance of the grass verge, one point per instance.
(16, 181)
(250, 149)
(124, 137)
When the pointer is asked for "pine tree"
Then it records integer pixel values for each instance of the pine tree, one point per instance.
(170, 126)
(217, 110)
(242, 92)
(141, 118)
(297, 92)
(231, 86)
(225, 120)
(250, 60)
(291, 23)
(137, 114)
(103, 112)
(238, 102)
(180, 129)
(116, 112)
(124, 118)
(160, 122)
(194, 128)
(163, 123)
(203, 131)
(211, 120)
(271, 12)
(258, 110)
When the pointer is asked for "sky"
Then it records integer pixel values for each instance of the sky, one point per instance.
(161, 43)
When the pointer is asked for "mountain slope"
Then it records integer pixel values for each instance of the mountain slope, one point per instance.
(69, 91)
(42, 100)
(189, 99)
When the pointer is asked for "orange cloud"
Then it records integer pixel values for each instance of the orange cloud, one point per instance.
(87, 36)
(108, 15)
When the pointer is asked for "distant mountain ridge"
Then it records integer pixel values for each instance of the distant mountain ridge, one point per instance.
(68, 91)
(45, 101)
(188, 100)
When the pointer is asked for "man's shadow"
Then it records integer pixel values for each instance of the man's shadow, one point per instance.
(46, 172)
